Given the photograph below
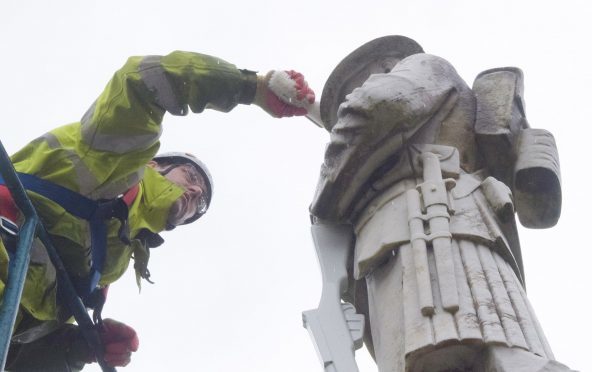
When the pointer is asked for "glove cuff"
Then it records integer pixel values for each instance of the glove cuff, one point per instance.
(249, 88)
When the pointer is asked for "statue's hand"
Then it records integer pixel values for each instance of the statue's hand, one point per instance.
(284, 94)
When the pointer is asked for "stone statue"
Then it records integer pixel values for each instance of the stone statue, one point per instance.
(428, 173)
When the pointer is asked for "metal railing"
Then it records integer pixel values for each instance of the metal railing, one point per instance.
(17, 271)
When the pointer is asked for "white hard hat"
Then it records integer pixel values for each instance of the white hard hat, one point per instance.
(187, 158)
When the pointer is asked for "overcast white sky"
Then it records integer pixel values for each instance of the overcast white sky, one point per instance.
(230, 289)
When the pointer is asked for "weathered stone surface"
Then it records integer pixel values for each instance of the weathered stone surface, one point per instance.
(430, 173)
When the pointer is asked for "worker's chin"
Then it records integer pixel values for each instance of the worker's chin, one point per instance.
(176, 215)
(180, 212)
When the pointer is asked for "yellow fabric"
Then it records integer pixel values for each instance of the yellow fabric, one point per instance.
(106, 153)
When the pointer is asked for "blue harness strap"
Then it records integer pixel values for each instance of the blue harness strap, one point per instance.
(93, 211)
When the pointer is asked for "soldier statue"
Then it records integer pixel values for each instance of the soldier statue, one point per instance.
(417, 198)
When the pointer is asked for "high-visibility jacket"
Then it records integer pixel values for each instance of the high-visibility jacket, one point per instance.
(106, 153)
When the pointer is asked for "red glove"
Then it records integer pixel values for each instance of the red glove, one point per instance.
(286, 94)
(120, 340)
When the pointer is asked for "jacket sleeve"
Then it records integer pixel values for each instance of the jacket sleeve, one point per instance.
(62, 350)
(127, 116)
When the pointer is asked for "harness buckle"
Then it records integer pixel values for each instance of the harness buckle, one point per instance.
(8, 226)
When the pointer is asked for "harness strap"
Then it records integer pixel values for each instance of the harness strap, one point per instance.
(96, 212)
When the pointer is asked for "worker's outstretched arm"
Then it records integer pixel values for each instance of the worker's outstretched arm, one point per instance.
(127, 115)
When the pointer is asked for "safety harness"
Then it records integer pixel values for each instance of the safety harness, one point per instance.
(97, 213)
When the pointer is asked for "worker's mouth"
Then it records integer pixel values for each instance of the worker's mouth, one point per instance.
(185, 205)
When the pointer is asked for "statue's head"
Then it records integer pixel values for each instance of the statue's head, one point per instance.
(376, 56)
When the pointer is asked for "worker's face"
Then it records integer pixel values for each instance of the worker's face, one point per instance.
(192, 199)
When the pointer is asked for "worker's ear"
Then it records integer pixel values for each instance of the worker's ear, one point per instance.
(152, 164)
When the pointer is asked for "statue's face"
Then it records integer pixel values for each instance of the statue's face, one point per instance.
(381, 66)
(192, 200)
(350, 79)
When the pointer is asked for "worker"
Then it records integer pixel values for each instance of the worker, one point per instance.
(104, 195)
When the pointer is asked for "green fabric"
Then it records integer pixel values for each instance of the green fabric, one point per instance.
(106, 153)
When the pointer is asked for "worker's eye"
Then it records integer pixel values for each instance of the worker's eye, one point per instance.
(191, 175)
